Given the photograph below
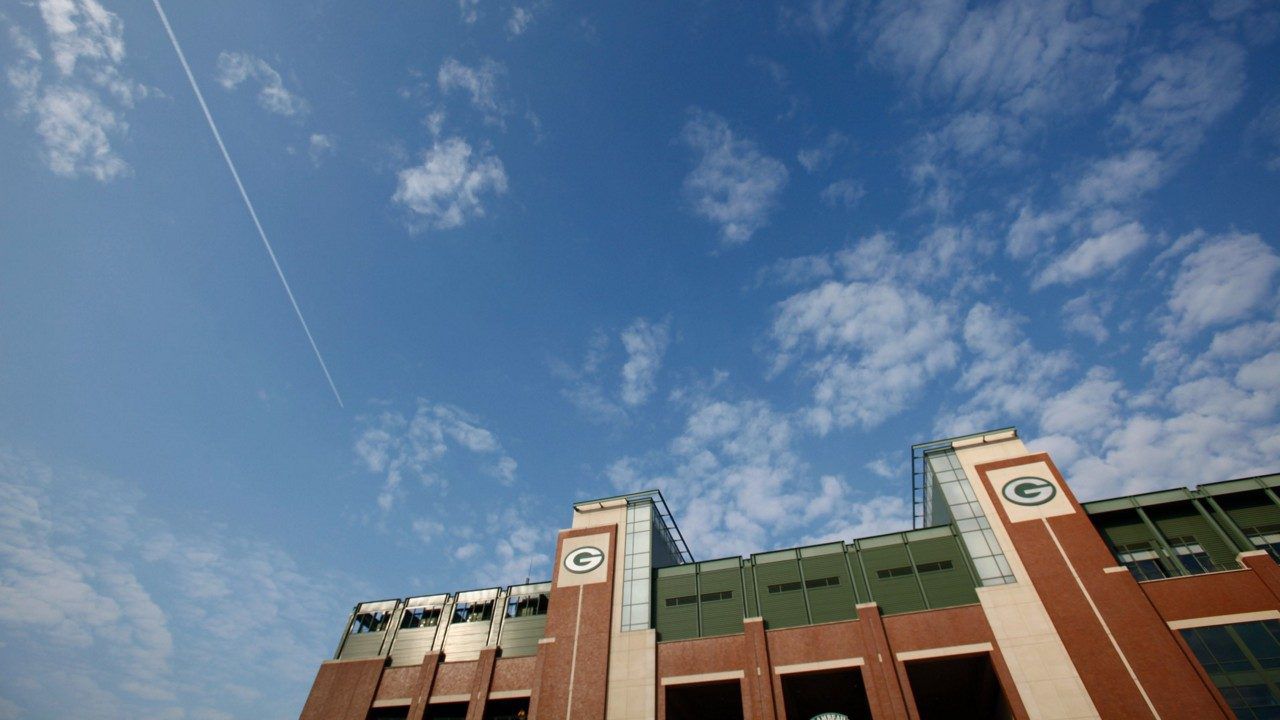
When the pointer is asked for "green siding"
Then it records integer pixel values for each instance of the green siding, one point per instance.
(723, 616)
(1251, 511)
(944, 588)
(681, 621)
(894, 594)
(781, 609)
(859, 582)
(520, 635)
(749, 589)
(833, 602)
(1181, 520)
(1124, 528)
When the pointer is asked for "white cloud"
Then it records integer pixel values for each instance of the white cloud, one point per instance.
(740, 487)
(1221, 281)
(1028, 57)
(519, 21)
(733, 185)
(320, 146)
(822, 17)
(235, 68)
(1094, 255)
(447, 188)
(1121, 178)
(1005, 377)
(100, 598)
(1183, 91)
(399, 447)
(645, 343)
(871, 347)
(843, 193)
(816, 158)
(479, 82)
(1084, 315)
(469, 11)
(78, 106)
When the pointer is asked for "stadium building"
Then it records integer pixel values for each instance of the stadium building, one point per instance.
(1009, 599)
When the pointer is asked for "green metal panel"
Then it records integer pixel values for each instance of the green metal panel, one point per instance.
(859, 582)
(1251, 510)
(520, 635)
(785, 607)
(1123, 528)
(828, 603)
(676, 622)
(945, 587)
(365, 645)
(722, 615)
(749, 589)
(1181, 520)
(894, 594)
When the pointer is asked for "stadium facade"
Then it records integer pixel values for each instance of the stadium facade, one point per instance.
(1008, 599)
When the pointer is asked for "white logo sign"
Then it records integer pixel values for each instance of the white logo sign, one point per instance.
(583, 560)
(1029, 491)
(830, 716)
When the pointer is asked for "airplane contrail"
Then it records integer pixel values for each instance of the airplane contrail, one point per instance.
(245, 196)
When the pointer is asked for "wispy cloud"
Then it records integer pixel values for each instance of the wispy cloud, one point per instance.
(320, 146)
(103, 598)
(398, 447)
(235, 68)
(481, 83)
(645, 344)
(741, 485)
(733, 184)
(77, 97)
(843, 193)
(519, 20)
(449, 186)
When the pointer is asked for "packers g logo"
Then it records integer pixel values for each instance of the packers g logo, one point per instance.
(583, 560)
(1029, 491)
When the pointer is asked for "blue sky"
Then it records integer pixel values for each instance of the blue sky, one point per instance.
(552, 251)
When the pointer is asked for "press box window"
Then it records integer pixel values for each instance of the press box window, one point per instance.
(527, 605)
(1266, 537)
(369, 622)
(822, 582)
(1141, 560)
(682, 600)
(473, 612)
(713, 596)
(420, 617)
(784, 587)
(934, 566)
(1191, 555)
(894, 572)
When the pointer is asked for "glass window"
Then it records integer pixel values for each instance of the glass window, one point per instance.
(420, 617)
(527, 605)
(1266, 537)
(1191, 555)
(370, 622)
(1141, 560)
(1241, 659)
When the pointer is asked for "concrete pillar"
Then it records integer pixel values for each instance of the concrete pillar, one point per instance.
(344, 690)
(481, 682)
(880, 673)
(757, 673)
(422, 687)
